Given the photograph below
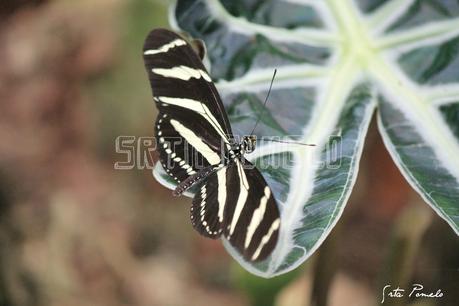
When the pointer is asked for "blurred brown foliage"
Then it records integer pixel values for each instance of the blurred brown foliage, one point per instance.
(8, 8)
(72, 231)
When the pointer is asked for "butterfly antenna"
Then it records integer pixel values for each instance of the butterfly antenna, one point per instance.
(264, 103)
(264, 107)
(290, 142)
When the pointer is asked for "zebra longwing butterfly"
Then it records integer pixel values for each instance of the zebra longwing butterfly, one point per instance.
(232, 199)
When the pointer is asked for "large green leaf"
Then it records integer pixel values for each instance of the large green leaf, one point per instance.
(337, 61)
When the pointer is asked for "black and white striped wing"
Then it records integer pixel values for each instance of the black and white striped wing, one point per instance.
(192, 124)
(237, 202)
(193, 133)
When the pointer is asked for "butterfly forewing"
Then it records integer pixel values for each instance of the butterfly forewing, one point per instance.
(192, 127)
(251, 217)
(194, 133)
(175, 71)
(237, 202)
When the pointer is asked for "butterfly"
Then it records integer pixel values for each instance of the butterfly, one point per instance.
(232, 199)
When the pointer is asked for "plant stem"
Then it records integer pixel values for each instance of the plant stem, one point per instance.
(324, 269)
(408, 230)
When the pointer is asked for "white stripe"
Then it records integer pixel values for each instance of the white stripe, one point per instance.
(166, 47)
(183, 73)
(243, 176)
(242, 198)
(265, 239)
(257, 217)
(212, 157)
(199, 108)
(221, 177)
(177, 159)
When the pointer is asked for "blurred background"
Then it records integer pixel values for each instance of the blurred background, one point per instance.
(74, 231)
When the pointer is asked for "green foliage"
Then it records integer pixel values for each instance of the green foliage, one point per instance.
(398, 58)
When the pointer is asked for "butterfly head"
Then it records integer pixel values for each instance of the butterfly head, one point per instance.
(248, 144)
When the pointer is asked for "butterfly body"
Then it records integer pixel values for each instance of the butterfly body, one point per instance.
(196, 147)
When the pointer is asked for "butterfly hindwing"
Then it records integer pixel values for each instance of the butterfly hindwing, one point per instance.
(174, 156)
(208, 205)
(186, 144)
